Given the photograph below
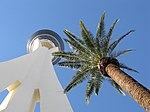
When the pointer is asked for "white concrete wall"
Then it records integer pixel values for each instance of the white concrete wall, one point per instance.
(34, 70)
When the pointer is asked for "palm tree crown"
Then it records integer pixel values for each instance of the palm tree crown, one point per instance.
(87, 55)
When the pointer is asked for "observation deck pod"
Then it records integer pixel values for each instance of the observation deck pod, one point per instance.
(48, 39)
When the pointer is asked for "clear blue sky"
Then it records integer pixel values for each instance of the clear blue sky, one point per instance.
(19, 19)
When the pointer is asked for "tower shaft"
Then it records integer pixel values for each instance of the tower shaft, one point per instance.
(37, 83)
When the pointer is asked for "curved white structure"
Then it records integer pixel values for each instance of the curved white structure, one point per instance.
(31, 78)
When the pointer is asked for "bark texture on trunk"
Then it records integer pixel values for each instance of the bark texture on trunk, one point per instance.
(137, 91)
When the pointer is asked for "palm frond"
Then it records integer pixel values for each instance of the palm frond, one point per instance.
(110, 33)
(70, 64)
(93, 85)
(72, 37)
(81, 51)
(79, 47)
(87, 37)
(89, 90)
(127, 68)
(98, 82)
(66, 55)
(115, 43)
(106, 39)
(74, 42)
(100, 33)
(79, 77)
(119, 53)
(100, 29)
(117, 87)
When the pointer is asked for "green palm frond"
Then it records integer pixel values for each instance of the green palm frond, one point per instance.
(119, 53)
(106, 40)
(110, 33)
(127, 68)
(79, 77)
(79, 47)
(117, 87)
(78, 50)
(75, 43)
(72, 37)
(87, 37)
(100, 33)
(98, 82)
(115, 43)
(93, 85)
(70, 64)
(89, 90)
(66, 55)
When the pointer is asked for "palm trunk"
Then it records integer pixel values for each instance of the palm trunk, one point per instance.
(138, 92)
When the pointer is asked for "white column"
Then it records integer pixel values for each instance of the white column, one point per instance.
(34, 71)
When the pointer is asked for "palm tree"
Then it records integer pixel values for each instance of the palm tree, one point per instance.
(95, 60)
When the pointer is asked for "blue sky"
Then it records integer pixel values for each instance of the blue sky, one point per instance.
(20, 19)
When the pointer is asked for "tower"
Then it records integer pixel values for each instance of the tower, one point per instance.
(31, 79)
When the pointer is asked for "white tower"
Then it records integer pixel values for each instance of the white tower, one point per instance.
(31, 78)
